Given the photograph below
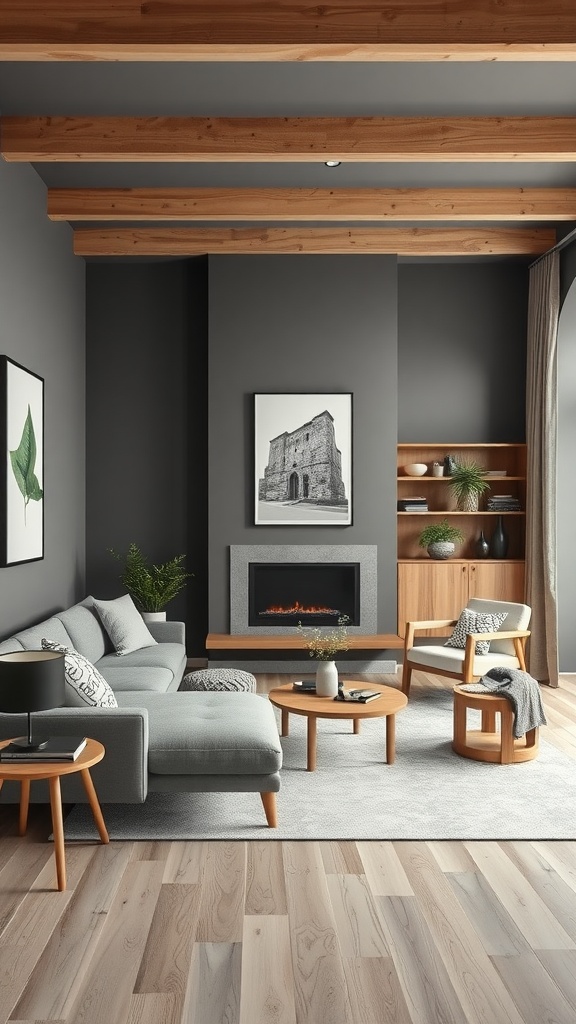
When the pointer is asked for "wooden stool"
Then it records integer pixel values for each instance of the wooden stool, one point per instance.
(486, 744)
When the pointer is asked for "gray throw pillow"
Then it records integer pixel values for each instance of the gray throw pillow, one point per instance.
(124, 625)
(475, 622)
(84, 684)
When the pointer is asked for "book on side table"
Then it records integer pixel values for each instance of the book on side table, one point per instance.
(56, 748)
(357, 696)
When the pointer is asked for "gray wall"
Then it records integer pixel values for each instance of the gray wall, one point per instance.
(462, 352)
(146, 429)
(302, 323)
(42, 310)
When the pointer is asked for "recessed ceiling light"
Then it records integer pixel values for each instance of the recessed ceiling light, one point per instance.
(332, 163)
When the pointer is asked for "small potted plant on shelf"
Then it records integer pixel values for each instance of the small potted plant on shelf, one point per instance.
(439, 539)
(468, 482)
(151, 587)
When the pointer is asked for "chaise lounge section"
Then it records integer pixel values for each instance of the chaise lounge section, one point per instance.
(158, 739)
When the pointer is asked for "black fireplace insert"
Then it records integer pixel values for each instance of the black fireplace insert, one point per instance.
(313, 593)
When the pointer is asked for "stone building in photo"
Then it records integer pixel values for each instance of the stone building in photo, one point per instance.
(305, 465)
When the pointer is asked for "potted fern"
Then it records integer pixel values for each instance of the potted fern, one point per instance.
(468, 482)
(439, 538)
(151, 587)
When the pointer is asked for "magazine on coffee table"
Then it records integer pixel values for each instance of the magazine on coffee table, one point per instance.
(358, 696)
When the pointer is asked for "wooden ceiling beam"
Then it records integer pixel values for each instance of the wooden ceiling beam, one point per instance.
(279, 30)
(288, 139)
(400, 241)
(318, 204)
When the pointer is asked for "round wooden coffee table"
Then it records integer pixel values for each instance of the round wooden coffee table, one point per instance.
(313, 708)
(26, 773)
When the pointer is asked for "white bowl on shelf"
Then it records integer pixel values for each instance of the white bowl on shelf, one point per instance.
(416, 469)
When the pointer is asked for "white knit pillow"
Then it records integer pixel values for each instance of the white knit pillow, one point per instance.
(475, 622)
(84, 684)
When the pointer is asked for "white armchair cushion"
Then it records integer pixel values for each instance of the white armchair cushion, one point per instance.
(518, 617)
(451, 659)
(475, 622)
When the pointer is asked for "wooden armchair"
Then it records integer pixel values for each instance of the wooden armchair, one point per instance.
(507, 646)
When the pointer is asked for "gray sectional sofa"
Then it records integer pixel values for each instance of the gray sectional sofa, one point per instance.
(157, 739)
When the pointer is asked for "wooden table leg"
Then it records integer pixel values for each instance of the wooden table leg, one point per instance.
(311, 764)
(390, 738)
(285, 726)
(507, 736)
(94, 805)
(356, 725)
(58, 829)
(488, 720)
(24, 804)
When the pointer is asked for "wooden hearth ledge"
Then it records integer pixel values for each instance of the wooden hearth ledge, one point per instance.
(288, 642)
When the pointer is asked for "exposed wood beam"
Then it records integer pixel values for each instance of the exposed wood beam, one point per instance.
(318, 204)
(403, 241)
(288, 139)
(287, 30)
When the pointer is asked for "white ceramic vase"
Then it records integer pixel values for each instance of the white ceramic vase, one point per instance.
(326, 679)
(154, 616)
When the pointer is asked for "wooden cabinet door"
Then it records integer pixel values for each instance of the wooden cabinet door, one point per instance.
(431, 590)
(499, 581)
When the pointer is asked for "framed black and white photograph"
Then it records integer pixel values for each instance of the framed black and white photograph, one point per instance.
(303, 459)
(22, 471)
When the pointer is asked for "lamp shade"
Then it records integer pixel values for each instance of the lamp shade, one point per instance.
(31, 681)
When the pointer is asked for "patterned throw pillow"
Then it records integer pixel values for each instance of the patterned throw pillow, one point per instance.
(475, 622)
(84, 684)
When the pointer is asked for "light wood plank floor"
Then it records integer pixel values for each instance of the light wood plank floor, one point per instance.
(292, 933)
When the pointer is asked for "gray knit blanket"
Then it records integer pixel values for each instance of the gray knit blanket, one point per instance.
(522, 691)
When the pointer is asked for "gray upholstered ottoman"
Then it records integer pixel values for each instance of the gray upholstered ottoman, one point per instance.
(226, 680)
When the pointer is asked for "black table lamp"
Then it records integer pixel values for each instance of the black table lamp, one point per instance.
(31, 681)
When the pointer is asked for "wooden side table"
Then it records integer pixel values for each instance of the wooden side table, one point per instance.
(486, 744)
(26, 773)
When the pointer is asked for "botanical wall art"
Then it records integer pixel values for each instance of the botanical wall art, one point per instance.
(303, 459)
(22, 468)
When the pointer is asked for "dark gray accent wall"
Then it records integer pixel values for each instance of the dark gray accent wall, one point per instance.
(146, 424)
(42, 327)
(302, 324)
(462, 352)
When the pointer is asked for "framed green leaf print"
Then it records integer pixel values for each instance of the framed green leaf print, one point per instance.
(22, 468)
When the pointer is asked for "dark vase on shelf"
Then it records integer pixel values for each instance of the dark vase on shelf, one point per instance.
(499, 541)
(482, 546)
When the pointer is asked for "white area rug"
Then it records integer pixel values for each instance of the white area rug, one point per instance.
(429, 793)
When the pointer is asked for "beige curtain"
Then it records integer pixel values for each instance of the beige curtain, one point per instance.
(541, 433)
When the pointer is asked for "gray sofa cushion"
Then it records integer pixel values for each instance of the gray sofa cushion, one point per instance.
(170, 656)
(51, 629)
(86, 631)
(209, 733)
(121, 679)
(10, 646)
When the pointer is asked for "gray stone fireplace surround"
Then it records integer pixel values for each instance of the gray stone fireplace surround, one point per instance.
(241, 555)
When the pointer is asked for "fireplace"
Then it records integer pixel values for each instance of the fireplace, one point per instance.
(274, 586)
(313, 593)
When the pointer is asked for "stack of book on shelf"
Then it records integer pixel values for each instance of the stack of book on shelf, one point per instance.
(503, 503)
(57, 748)
(413, 504)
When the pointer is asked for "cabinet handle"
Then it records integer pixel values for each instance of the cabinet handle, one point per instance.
(464, 568)
(472, 568)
